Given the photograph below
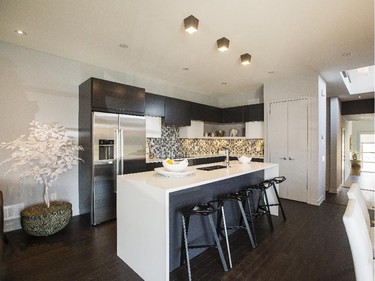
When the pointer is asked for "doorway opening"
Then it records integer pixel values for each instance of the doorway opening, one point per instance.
(367, 152)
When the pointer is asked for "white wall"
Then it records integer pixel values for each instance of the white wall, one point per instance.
(310, 86)
(252, 97)
(322, 138)
(347, 128)
(42, 87)
(335, 145)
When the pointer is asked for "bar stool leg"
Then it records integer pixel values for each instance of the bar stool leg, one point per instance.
(268, 211)
(278, 200)
(251, 215)
(246, 224)
(221, 254)
(185, 225)
(185, 242)
(226, 236)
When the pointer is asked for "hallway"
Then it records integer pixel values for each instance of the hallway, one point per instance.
(366, 181)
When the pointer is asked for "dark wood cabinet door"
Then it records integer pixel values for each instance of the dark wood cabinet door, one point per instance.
(177, 112)
(213, 114)
(233, 114)
(118, 98)
(205, 113)
(254, 112)
(154, 105)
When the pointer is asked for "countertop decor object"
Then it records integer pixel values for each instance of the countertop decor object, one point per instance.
(233, 133)
(42, 156)
(174, 165)
(244, 159)
(220, 133)
(163, 171)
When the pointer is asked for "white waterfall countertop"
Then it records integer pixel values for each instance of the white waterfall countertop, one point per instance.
(143, 213)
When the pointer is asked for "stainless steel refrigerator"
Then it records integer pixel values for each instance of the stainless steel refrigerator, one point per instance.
(119, 143)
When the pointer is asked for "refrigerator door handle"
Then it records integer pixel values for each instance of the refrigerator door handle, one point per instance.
(121, 144)
(117, 159)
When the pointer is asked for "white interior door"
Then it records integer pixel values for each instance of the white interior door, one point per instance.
(287, 133)
(297, 150)
(278, 139)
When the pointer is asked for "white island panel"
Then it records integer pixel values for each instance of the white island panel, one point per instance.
(143, 213)
(142, 228)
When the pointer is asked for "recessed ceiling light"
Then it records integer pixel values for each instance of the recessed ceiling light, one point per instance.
(20, 32)
(124, 46)
(191, 24)
(223, 44)
(346, 54)
(185, 68)
(245, 59)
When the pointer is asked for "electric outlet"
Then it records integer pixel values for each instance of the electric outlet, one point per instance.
(53, 196)
(13, 211)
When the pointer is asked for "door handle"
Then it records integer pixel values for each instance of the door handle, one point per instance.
(283, 158)
(290, 158)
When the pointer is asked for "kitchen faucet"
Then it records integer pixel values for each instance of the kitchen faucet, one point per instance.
(226, 161)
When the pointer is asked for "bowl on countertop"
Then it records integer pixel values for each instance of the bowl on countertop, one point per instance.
(175, 166)
(244, 159)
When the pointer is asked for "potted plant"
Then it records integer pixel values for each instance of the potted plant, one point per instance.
(43, 155)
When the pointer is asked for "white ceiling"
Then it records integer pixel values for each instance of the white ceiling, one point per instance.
(287, 37)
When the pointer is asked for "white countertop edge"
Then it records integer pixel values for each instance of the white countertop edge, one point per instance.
(173, 184)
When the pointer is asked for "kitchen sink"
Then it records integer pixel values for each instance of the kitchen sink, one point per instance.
(210, 168)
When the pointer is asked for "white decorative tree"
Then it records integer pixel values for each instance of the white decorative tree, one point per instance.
(43, 155)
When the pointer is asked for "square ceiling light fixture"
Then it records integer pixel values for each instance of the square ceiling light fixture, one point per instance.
(191, 24)
(223, 44)
(245, 59)
(359, 80)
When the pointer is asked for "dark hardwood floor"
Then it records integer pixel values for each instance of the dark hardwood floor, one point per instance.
(311, 245)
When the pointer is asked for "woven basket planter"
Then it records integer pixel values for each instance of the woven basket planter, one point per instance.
(38, 220)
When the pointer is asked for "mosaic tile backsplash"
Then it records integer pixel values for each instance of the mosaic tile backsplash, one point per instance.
(171, 146)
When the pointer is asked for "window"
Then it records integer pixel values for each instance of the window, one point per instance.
(367, 143)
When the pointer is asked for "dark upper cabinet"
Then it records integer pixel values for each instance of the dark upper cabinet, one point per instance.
(205, 113)
(254, 112)
(154, 105)
(115, 97)
(233, 114)
(177, 112)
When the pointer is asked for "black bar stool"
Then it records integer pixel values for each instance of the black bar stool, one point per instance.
(205, 210)
(278, 180)
(263, 206)
(241, 197)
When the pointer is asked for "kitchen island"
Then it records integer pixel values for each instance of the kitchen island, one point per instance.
(148, 221)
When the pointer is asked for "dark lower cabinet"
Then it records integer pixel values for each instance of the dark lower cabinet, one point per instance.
(177, 112)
